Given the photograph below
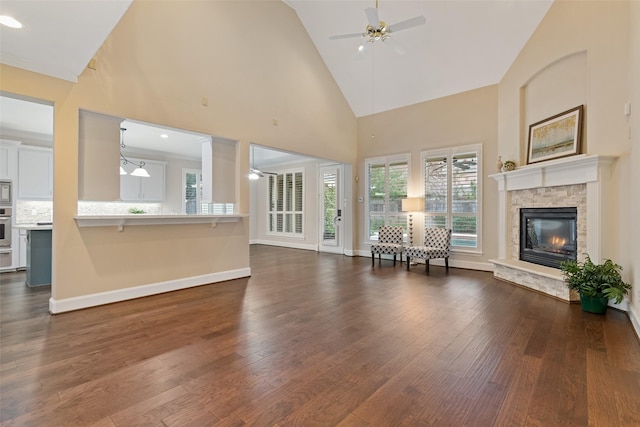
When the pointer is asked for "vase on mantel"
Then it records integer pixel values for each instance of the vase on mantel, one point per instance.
(508, 166)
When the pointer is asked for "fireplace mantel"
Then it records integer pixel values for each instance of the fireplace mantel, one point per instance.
(594, 172)
(579, 169)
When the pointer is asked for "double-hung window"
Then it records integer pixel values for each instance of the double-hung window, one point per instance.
(387, 184)
(452, 189)
(285, 196)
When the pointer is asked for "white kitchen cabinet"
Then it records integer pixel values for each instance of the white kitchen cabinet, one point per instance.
(9, 159)
(22, 249)
(35, 174)
(139, 189)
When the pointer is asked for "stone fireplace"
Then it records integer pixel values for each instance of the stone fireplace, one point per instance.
(579, 183)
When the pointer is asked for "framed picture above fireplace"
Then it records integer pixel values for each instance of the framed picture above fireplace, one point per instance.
(557, 136)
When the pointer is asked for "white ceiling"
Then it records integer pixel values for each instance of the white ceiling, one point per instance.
(144, 137)
(58, 37)
(465, 44)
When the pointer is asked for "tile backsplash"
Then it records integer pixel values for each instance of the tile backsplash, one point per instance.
(117, 208)
(30, 212)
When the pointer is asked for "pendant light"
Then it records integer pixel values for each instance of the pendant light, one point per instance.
(140, 170)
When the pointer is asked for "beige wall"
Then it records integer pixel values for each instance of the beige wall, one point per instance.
(591, 40)
(632, 243)
(462, 119)
(600, 29)
(156, 66)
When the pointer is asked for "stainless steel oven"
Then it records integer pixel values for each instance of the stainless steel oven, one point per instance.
(5, 227)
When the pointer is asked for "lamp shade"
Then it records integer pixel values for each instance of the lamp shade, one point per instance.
(139, 171)
(412, 204)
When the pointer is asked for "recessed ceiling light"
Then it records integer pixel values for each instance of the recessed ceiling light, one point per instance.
(164, 136)
(10, 22)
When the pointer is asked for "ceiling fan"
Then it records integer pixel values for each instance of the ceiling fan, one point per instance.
(254, 173)
(379, 30)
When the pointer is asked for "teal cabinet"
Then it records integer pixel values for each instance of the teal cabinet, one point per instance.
(38, 257)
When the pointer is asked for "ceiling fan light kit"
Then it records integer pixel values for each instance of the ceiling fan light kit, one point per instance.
(377, 29)
(255, 174)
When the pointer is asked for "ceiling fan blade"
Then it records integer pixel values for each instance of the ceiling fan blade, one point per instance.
(397, 47)
(372, 16)
(362, 49)
(403, 25)
(345, 36)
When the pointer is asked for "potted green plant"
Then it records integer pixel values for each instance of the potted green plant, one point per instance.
(596, 283)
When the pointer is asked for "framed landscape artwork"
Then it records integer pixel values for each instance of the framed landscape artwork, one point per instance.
(557, 136)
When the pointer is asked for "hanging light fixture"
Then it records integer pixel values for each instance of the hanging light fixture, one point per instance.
(254, 174)
(140, 170)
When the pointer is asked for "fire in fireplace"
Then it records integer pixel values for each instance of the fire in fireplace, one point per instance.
(548, 235)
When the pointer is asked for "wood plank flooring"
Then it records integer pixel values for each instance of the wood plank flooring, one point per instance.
(319, 340)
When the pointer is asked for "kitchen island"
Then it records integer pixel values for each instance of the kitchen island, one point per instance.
(38, 254)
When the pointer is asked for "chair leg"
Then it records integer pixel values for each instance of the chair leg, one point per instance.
(446, 263)
(373, 259)
(379, 259)
(408, 262)
(426, 263)
(394, 260)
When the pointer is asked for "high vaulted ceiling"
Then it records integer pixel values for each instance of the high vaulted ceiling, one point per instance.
(464, 44)
(58, 37)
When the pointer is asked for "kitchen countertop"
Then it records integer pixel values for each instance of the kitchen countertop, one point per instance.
(33, 227)
(120, 221)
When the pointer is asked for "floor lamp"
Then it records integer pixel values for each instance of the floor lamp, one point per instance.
(411, 205)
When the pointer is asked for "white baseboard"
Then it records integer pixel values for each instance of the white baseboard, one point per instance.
(101, 298)
(634, 321)
(293, 245)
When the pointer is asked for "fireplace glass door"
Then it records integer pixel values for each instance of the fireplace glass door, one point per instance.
(548, 235)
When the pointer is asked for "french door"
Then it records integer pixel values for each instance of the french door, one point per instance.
(331, 213)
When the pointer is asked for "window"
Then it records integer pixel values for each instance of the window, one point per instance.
(285, 195)
(452, 193)
(192, 194)
(387, 184)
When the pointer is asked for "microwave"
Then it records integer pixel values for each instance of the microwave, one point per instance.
(5, 193)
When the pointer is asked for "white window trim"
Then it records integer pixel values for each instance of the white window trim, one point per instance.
(386, 160)
(185, 171)
(449, 153)
(227, 208)
(294, 235)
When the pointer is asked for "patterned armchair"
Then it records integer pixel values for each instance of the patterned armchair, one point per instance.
(437, 242)
(389, 242)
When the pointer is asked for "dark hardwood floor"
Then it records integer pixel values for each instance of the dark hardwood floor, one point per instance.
(318, 339)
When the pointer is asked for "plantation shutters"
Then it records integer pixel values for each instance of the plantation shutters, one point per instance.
(286, 200)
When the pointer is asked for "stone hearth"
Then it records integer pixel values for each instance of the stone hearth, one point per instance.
(581, 181)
